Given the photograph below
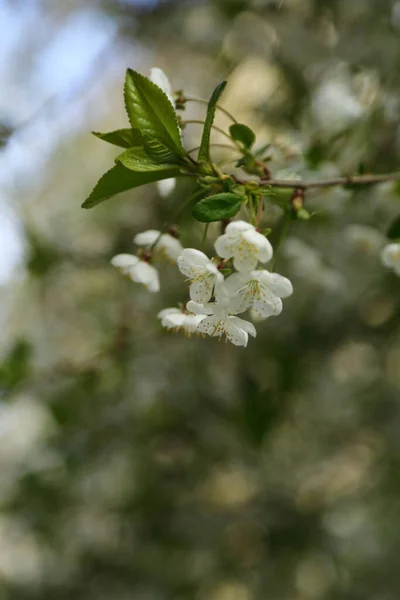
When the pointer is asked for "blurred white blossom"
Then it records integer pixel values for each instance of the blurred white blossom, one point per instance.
(179, 320)
(158, 77)
(335, 106)
(307, 264)
(364, 238)
(138, 270)
(164, 243)
(390, 257)
(166, 186)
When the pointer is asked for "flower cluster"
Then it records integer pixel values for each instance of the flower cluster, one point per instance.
(156, 245)
(247, 288)
(234, 281)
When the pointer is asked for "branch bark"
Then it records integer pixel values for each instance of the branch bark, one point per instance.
(322, 183)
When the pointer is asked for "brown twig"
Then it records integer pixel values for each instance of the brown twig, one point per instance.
(322, 183)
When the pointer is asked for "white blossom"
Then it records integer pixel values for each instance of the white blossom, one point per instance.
(260, 290)
(202, 273)
(245, 245)
(335, 106)
(307, 264)
(364, 238)
(178, 320)
(166, 186)
(138, 270)
(164, 243)
(158, 77)
(217, 321)
(390, 257)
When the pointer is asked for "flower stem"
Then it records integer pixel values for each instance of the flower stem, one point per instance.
(198, 122)
(213, 146)
(203, 241)
(223, 110)
(184, 204)
(285, 223)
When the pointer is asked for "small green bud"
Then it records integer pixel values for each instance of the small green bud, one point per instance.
(266, 231)
(303, 214)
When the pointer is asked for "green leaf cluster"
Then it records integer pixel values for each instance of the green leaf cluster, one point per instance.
(153, 145)
(217, 207)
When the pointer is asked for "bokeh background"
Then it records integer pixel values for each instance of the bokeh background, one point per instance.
(137, 464)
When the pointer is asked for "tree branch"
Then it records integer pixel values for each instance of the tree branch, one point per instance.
(322, 183)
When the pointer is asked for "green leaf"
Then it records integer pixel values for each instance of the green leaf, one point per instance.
(16, 366)
(393, 231)
(119, 179)
(137, 159)
(204, 151)
(150, 111)
(129, 138)
(242, 133)
(125, 138)
(218, 207)
(158, 151)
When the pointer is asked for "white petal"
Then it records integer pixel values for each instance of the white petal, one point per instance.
(235, 282)
(235, 334)
(255, 316)
(208, 325)
(194, 257)
(267, 304)
(146, 274)
(238, 226)
(242, 300)
(166, 186)
(266, 251)
(259, 241)
(390, 255)
(174, 321)
(198, 309)
(246, 258)
(124, 261)
(158, 77)
(192, 322)
(168, 311)
(153, 286)
(171, 246)
(201, 289)
(224, 246)
(193, 263)
(245, 325)
(221, 292)
(279, 285)
(146, 238)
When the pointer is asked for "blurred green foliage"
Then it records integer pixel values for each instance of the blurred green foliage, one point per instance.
(137, 464)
